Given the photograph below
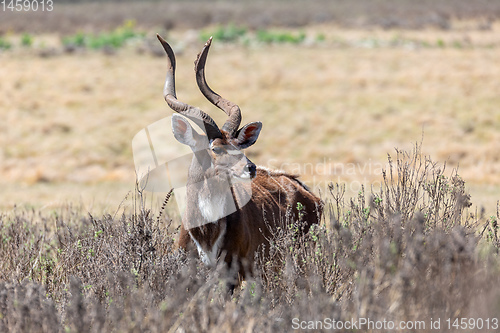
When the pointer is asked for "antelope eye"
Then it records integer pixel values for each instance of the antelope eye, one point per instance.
(218, 150)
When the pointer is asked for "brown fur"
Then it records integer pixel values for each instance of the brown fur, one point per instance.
(274, 196)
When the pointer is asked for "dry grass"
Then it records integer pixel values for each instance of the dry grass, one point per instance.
(410, 252)
(331, 111)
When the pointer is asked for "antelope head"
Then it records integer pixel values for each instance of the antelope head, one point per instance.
(218, 155)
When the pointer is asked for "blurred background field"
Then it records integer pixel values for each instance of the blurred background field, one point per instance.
(337, 84)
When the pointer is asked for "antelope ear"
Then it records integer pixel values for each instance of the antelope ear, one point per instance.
(248, 134)
(183, 131)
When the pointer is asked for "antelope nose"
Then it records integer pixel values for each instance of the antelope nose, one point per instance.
(252, 169)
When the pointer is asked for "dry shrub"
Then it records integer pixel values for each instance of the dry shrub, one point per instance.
(408, 251)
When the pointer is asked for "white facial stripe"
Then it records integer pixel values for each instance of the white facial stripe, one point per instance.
(234, 152)
(244, 175)
(230, 149)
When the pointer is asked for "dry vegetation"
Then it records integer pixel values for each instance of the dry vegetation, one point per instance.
(410, 252)
(407, 245)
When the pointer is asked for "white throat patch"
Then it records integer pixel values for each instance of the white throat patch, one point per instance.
(212, 209)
